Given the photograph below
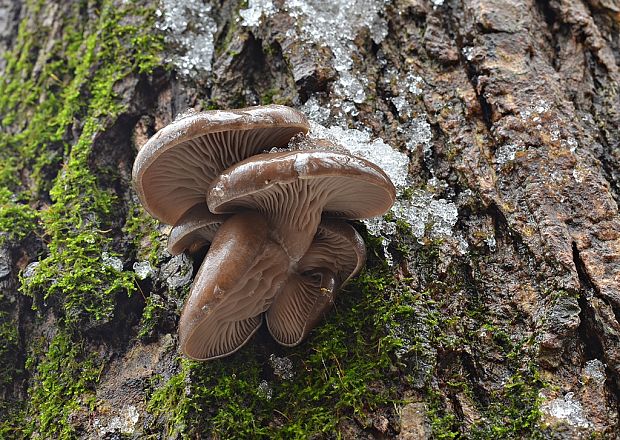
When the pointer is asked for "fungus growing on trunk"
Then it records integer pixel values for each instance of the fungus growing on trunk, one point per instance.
(270, 253)
(292, 189)
(235, 284)
(336, 254)
(194, 230)
(173, 170)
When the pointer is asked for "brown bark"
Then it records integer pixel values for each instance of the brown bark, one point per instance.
(522, 98)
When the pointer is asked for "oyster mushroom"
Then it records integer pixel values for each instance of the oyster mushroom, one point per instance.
(194, 230)
(292, 189)
(235, 284)
(173, 170)
(336, 254)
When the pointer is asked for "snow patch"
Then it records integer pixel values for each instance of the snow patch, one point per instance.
(568, 410)
(189, 29)
(124, 423)
(421, 210)
(333, 24)
(143, 269)
(255, 11)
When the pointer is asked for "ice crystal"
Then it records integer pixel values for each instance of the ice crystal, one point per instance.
(124, 423)
(189, 29)
(595, 370)
(282, 367)
(425, 214)
(418, 132)
(567, 409)
(256, 9)
(264, 390)
(507, 152)
(360, 143)
(142, 269)
(333, 24)
(113, 262)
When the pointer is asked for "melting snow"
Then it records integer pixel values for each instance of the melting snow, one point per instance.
(595, 369)
(143, 269)
(393, 162)
(425, 214)
(282, 367)
(333, 24)
(567, 409)
(113, 262)
(264, 390)
(256, 9)
(188, 28)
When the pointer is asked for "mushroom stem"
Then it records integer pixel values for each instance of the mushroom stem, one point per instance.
(235, 284)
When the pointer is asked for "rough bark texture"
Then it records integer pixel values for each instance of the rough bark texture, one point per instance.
(503, 325)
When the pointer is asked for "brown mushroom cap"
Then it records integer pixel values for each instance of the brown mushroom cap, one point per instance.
(173, 170)
(235, 284)
(336, 254)
(194, 230)
(292, 189)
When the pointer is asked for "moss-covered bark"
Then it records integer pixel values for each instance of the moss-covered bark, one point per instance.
(498, 322)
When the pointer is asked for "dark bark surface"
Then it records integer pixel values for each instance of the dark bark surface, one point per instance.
(499, 315)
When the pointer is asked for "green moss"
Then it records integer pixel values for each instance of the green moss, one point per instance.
(143, 231)
(342, 371)
(61, 384)
(46, 96)
(17, 218)
(9, 345)
(152, 314)
(74, 273)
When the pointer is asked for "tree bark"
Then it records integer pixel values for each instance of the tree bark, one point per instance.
(491, 310)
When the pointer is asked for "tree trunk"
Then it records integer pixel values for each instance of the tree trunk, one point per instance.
(490, 303)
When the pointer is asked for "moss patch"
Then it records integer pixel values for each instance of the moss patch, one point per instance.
(55, 101)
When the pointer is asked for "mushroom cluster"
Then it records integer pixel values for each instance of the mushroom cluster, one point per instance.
(280, 247)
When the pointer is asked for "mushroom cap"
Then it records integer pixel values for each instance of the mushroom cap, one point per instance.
(336, 254)
(194, 230)
(235, 284)
(337, 246)
(173, 170)
(293, 188)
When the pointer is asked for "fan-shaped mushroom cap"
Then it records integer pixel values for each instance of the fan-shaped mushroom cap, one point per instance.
(173, 170)
(235, 284)
(292, 189)
(194, 230)
(336, 254)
